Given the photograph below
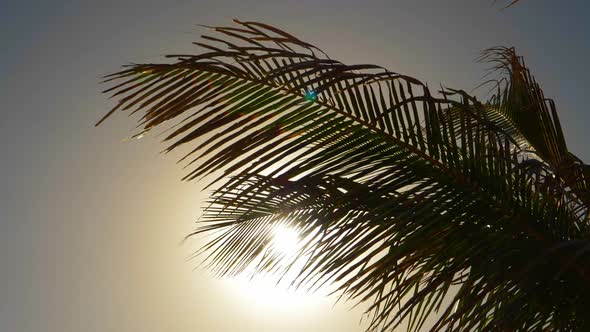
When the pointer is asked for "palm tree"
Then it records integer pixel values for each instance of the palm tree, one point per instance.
(420, 203)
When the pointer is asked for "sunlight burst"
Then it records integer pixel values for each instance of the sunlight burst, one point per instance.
(267, 290)
(285, 241)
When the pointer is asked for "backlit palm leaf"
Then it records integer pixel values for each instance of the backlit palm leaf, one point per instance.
(423, 204)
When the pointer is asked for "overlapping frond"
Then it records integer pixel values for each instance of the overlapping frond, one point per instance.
(425, 205)
(520, 99)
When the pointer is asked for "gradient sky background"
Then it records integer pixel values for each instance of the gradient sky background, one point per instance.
(90, 226)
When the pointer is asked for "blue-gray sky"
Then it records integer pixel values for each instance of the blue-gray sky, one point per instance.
(90, 226)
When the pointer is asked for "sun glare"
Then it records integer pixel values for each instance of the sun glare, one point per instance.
(285, 241)
(264, 291)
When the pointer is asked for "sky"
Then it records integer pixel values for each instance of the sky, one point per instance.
(91, 227)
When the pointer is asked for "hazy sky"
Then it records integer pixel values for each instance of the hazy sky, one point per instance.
(90, 226)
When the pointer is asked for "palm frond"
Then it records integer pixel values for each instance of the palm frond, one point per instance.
(509, 3)
(425, 205)
(520, 99)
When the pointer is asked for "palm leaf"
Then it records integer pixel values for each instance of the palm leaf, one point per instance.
(510, 3)
(425, 205)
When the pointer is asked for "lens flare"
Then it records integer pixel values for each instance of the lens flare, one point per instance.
(311, 95)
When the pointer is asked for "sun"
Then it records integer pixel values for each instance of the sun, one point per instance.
(285, 241)
(264, 291)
